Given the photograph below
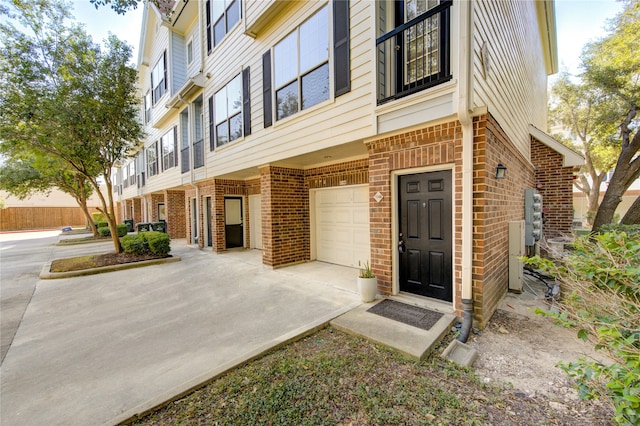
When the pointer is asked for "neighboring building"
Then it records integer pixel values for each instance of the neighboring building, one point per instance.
(55, 209)
(346, 131)
(581, 201)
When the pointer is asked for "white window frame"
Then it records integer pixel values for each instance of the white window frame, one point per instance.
(167, 147)
(159, 88)
(222, 15)
(189, 48)
(152, 159)
(223, 92)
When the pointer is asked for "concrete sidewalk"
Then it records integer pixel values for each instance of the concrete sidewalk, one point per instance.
(98, 349)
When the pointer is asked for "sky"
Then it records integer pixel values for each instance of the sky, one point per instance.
(577, 22)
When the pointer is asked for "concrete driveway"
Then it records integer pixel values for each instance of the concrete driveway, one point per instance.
(98, 349)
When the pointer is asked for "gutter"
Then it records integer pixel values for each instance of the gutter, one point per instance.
(465, 90)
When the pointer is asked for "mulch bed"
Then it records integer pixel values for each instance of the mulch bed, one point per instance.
(98, 260)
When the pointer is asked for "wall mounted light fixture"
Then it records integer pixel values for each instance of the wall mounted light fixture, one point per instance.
(501, 171)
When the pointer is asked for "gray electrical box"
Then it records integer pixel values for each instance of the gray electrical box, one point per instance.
(532, 216)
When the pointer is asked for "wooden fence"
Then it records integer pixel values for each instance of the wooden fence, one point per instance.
(25, 218)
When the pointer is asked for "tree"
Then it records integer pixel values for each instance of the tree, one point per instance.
(62, 96)
(612, 65)
(589, 117)
(24, 176)
(123, 6)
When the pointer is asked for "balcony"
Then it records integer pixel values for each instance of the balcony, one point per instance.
(415, 55)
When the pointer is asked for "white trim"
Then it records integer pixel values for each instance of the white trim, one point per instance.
(395, 279)
(569, 157)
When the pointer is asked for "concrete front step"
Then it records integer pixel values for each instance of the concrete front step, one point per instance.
(409, 340)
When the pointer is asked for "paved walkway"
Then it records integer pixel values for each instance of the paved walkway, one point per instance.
(97, 349)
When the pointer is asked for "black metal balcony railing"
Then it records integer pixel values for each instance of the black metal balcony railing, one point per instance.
(414, 55)
(198, 154)
(184, 160)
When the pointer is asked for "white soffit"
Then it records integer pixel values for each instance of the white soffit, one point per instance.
(570, 157)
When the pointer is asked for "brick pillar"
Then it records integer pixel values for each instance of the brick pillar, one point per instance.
(137, 210)
(285, 216)
(174, 202)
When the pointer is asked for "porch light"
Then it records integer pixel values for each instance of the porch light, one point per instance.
(501, 171)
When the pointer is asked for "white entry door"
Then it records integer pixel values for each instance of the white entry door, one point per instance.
(255, 221)
(342, 225)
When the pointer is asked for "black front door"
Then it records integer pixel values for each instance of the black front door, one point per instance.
(425, 236)
(233, 222)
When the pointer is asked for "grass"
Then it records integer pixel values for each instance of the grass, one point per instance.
(331, 378)
(97, 260)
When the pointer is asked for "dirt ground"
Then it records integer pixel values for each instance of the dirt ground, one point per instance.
(522, 349)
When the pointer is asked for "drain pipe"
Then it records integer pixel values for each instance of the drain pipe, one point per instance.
(465, 91)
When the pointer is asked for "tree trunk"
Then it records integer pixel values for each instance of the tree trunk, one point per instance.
(632, 217)
(89, 218)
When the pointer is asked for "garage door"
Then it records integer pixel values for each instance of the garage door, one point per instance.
(342, 225)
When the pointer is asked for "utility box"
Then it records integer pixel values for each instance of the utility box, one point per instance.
(516, 250)
(532, 216)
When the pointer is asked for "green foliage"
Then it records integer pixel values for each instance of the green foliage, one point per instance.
(159, 242)
(365, 270)
(98, 217)
(102, 224)
(600, 280)
(151, 242)
(65, 97)
(633, 231)
(134, 244)
(104, 231)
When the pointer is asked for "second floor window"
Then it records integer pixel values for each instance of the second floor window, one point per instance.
(228, 112)
(221, 17)
(147, 107)
(168, 147)
(159, 78)
(152, 160)
(301, 66)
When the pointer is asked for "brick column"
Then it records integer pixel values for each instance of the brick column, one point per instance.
(176, 215)
(285, 216)
(137, 210)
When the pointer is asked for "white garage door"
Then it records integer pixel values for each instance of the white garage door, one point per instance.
(342, 225)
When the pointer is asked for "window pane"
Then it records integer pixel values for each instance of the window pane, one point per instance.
(234, 95)
(314, 40)
(219, 31)
(235, 127)
(220, 100)
(222, 134)
(287, 100)
(233, 15)
(315, 86)
(217, 9)
(285, 60)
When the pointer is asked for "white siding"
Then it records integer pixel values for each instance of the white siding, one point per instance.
(178, 63)
(514, 89)
(307, 131)
(194, 35)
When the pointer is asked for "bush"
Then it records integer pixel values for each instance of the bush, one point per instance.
(134, 244)
(632, 231)
(98, 217)
(600, 281)
(102, 224)
(159, 242)
(104, 231)
(151, 242)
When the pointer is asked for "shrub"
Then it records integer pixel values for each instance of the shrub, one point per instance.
(98, 217)
(102, 224)
(600, 279)
(151, 242)
(104, 231)
(159, 242)
(632, 231)
(134, 244)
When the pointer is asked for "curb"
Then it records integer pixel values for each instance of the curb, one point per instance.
(45, 274)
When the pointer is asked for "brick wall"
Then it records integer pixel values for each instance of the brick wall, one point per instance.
(350, 173)
(285, 216)
(555, 184)
(175, 212)
(137, 210)
(436, 145)
(496, 203)
(155, 200)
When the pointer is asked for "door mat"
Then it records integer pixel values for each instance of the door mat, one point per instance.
(407, 314)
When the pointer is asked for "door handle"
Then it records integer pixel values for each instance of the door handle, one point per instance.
(401, 247)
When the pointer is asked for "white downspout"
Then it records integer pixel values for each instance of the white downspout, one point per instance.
(465, 91)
